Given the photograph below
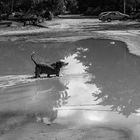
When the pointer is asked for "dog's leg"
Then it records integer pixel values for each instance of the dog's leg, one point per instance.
(48, 75)
(37, 75)
(57, 74)
(37, 72)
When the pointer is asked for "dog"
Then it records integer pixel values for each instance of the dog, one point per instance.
(52, 69)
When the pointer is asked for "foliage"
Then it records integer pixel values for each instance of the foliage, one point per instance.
(92, 7)
(72, 6)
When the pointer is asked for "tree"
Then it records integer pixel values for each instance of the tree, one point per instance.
(72, 6)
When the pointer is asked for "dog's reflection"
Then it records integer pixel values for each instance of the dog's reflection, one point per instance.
(48, 96)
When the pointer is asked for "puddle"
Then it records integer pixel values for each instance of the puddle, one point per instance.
(99, 87)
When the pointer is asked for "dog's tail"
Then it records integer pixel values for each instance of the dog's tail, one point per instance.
(32, 55)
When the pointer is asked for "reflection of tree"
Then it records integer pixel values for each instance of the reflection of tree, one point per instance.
(122, 102)
(116, 72)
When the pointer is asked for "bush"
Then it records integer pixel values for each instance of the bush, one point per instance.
(93, 11)
(72, 6)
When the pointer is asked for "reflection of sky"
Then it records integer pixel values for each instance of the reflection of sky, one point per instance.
(82, 107)
(80, 92)
(74, 67)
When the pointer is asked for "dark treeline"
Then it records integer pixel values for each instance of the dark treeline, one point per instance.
(96, 6)
(89, 7)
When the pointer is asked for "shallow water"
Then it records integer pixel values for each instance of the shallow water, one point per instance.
(100, 85)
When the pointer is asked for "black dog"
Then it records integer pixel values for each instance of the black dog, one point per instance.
(52, 69)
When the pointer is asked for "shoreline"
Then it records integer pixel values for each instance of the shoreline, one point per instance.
(130, 37)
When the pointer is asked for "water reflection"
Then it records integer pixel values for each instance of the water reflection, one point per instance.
(34, 101)
(101, 80)
(117, 74)
(80, 108)
(49, 95)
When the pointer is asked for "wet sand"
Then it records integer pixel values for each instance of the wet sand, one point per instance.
(58, 132)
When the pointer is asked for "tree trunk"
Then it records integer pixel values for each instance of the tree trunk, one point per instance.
(124, 6)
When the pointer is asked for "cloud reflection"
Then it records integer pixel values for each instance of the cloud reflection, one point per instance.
(80, 91)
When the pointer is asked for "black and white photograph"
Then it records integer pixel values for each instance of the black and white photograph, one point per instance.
(69, 69)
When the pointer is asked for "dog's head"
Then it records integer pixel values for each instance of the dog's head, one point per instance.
(59, 64)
